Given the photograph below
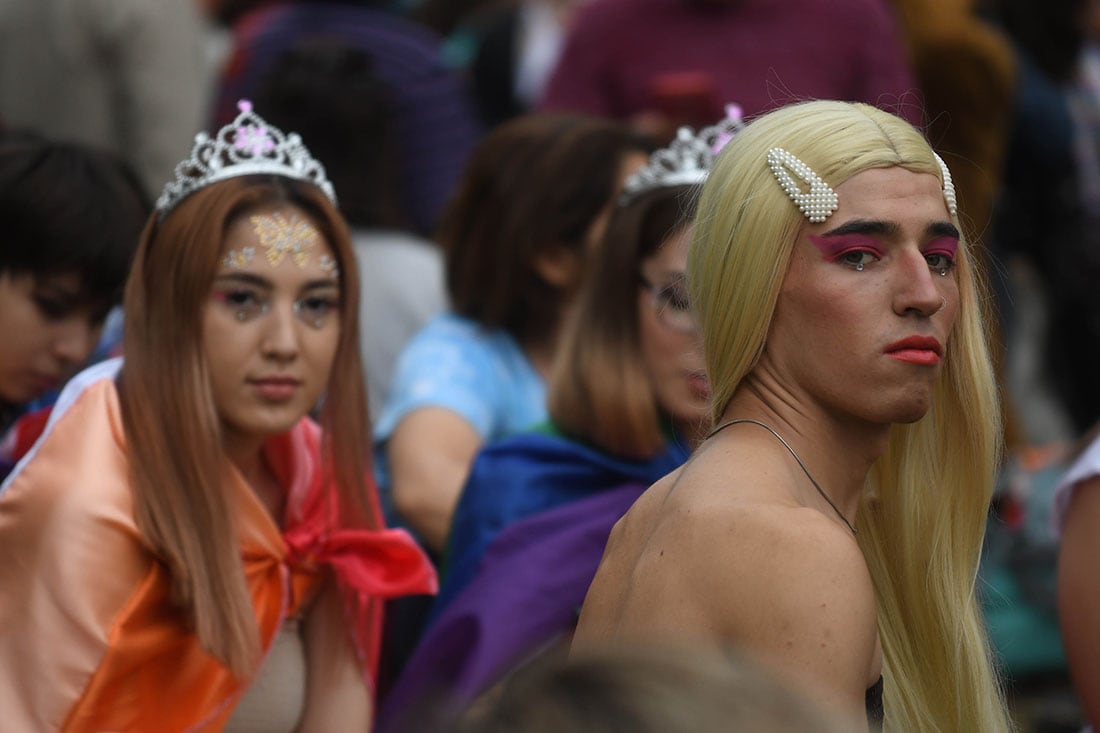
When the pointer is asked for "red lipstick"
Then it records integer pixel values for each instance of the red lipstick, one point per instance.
(916, 350)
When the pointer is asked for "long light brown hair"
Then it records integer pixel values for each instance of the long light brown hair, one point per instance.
(177, 464)
(600, 390)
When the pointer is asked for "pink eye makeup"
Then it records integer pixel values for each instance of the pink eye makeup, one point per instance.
(832, 248)
(943, 246)
(940, 253)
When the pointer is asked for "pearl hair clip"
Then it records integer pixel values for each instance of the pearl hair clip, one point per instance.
(948, 187)
(819, 202)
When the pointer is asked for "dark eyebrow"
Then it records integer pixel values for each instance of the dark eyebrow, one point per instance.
(943, 229)
(863, 226)
(884, 228)
(58, 287)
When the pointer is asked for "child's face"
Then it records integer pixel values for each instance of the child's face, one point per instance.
(48, 330)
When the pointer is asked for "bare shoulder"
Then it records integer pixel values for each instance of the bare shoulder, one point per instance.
(724, 532)
(780, 578)
(718, 551)
(712, 529)
(740, 504)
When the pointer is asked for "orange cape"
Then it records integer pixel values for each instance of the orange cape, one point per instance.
(89, 640)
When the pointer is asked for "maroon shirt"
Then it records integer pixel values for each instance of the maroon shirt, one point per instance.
(689, 57)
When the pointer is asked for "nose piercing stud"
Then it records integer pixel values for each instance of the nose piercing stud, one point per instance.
(943, 304)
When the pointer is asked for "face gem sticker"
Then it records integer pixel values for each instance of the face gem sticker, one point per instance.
(282, 237)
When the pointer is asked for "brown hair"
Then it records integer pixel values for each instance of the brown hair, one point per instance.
(600, 391)
(534, 183)
(177, 466)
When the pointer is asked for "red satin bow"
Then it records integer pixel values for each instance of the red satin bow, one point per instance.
(378, 563)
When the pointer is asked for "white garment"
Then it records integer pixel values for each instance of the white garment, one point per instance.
(1086, 466)
(401, 287)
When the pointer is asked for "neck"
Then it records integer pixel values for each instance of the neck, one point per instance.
(247, 457)
(837, 450)
(694, 432)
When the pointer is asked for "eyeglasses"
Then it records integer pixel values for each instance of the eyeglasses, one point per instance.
(672, 305)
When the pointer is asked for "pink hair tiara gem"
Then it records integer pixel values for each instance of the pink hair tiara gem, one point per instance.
(246, 146)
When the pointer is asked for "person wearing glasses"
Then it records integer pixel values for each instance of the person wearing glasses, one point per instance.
(531, 207)
(627, 401)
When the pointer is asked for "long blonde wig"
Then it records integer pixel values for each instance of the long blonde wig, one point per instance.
(922, 516)
(174, 444)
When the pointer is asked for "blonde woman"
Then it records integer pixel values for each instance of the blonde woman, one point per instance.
(831, 522)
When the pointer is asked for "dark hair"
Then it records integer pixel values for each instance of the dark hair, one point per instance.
(325, 89)
(535, 183)
(600, 390)
(69, 208)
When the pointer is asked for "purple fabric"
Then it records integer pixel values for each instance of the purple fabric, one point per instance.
(436, 122)
(760, 54)
(527, 594)
(523, 475)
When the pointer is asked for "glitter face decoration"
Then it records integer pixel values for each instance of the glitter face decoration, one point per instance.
(282, 237)
(234, 258)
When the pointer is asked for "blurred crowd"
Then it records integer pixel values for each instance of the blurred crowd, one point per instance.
(520, 396)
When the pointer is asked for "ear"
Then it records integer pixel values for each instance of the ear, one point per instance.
(560, 266)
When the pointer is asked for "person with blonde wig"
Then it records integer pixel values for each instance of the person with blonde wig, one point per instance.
(185, 548)
(831, 522)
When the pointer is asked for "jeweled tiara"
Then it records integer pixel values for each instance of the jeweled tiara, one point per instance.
(246, 146)
(687, 160)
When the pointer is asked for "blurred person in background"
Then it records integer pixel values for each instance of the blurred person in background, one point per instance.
(627, 401)
(658, 64)
(74, 215)
(129, 76)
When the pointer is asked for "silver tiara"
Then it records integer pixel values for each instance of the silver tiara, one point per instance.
(248, 145)
(687, 160)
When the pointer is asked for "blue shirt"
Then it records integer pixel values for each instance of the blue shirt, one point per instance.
(481, 375)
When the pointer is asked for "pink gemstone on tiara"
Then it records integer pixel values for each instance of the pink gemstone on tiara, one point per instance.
(254, 140)
(246, 146)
